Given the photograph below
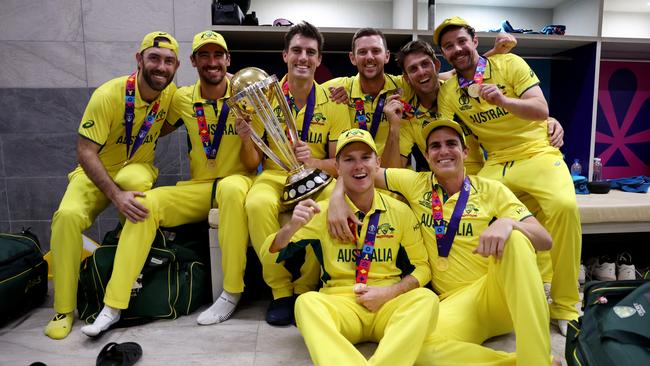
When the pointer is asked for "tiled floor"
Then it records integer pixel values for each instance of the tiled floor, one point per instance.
(245, 339)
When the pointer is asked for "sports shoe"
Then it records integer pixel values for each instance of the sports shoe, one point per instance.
(280, 311)
(562, 325)
(60, 326)
(603, 269)
(624, 267)
(221, 310)
(107, 317)
(547, 292)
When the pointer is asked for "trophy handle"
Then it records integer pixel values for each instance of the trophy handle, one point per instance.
(286, 111)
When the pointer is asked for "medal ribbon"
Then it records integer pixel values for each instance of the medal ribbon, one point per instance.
(445, 239)
(364, 259)
(411, 112)
(478, 74)
(129, 116)
(309, 110)
(360, 116)
(204, 132)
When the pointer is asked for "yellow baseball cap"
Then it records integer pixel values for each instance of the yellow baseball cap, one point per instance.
(206, 37)
(150, 41)
(429, 126)
(355, 135)
(456, 21)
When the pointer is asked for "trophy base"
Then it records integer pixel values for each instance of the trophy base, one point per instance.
(303, 183)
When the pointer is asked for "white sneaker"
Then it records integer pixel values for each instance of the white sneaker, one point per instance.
(221, 310)
(107, 317)
(582, 275)
(624, 267)
(547, 292)
(603, 269)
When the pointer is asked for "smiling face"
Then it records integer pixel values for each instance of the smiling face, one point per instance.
(445, 153)
(302, 57)
(459, 49)
(157, 66)
(356, 165)
(211, 62)
(369, 56)
(421, 72)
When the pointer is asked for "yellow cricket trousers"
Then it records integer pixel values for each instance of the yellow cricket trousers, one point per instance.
(332, 323)
(509, 295)
(171, 206)
(263, 205)
(81, 204)
(545, 177)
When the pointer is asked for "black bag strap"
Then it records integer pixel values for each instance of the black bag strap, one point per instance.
(214, 192)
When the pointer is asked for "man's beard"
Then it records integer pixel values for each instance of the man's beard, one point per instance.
(154, 83)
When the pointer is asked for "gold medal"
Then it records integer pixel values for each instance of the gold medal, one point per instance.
(473, 90)
(210, 164)
(442, 264)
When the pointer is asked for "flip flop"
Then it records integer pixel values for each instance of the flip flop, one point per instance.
(507, 27)
(122, 354)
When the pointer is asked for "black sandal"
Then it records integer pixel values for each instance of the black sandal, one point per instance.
(122, 354)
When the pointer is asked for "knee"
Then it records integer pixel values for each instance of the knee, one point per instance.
(305, 302)
(519, 245)
(562, 206)
(257, 202)
(69, 216)
(232, 188)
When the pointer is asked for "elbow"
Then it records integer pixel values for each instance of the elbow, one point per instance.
(545, 242)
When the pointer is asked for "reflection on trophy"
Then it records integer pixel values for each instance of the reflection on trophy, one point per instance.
(254, 94)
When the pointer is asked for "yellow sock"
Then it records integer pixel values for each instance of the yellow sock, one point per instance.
(60, 326)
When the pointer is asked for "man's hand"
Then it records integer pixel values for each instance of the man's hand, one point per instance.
(338, 94)
(126, 203)
(492, 94)
(372, 297)
(493, 239)
(555, 132)
(504, 42)
(303, 213)
(393, 108)
(341, 221)
(243, 128)
(303, 153)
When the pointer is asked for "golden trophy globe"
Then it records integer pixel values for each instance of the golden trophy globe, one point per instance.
(256, 95)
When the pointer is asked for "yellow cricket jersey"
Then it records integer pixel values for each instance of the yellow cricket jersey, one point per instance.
(103, 123)
(183, 111)
(488, 199)
(398, 249)
(411, 134)
(353, 87)
(328, 122)
(505, 136)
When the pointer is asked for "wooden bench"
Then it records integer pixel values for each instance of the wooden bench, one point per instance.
(614, 212)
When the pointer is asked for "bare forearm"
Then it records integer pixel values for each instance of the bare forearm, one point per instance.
(250, 155)
(535, 232)
(407, 284)
(530, 109)
(282, 238)
(391, 158)
(94, 169)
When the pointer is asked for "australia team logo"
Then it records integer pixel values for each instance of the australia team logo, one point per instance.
(385, 230)
(471, 210)
(318, 119)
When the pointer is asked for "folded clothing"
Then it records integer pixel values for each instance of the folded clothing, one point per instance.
(639, 184)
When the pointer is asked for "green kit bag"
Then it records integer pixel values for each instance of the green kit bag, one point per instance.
(615, 327)
(23, 274)
(174, 280)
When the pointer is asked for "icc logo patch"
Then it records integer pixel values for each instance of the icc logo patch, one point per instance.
(88, 124)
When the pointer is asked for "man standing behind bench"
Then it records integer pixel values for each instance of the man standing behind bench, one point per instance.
(115, 150)
(222, 154)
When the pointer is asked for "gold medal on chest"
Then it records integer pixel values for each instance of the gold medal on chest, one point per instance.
(442, 264)
(473, 90)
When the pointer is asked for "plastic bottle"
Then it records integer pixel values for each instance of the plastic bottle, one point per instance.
(576, 168)
(598, 170)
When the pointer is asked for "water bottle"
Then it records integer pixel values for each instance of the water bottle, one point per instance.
(598, 170)
(576, 168)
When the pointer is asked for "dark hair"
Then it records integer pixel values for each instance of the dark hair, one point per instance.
(416, 46)
(461, 138)
(366, 32)
(307, 30)
(470, 30)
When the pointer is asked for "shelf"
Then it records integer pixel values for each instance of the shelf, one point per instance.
(271, 39)
(625, 49)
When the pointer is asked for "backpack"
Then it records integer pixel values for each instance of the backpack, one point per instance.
(175, 279)
(23, 274)
(615, 326)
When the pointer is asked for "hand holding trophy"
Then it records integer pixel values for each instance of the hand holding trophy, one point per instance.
(254, 95)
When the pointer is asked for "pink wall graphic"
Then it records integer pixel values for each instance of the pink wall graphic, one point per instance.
(623, 122)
